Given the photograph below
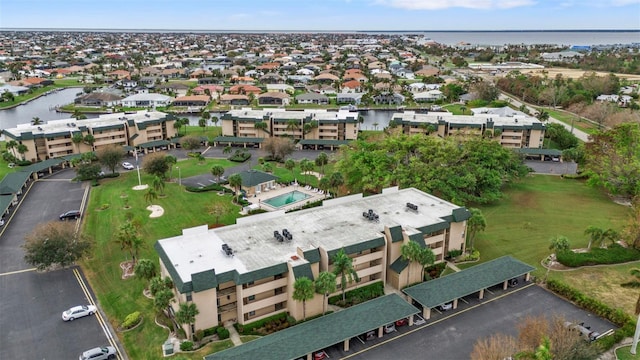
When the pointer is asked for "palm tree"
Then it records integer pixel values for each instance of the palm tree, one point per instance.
(77, 138)
(306, 166)
(290, 165)
(217, 171)
(321, 161)
(558, 243)
(146, 269)
(343, 267)
(235, 181)
(463, 109)
(130, 240)
(635, 284)
(90, 140)
(262, 126)
(375, 126)
(292, 125)
(36, 121)
(595, 235)
(170, 160)
(227, 149)
(11, 144)
(336, 180)
(410, 252)
(158, 184)
(150, 195)
(186, 314)
(22, 148)
(475, 224)
(303, 290)
(202, 123)
(325, 285)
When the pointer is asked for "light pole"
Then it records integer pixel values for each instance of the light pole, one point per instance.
(179, 176)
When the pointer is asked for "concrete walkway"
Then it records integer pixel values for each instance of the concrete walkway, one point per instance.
(451, 266)
(233, 334)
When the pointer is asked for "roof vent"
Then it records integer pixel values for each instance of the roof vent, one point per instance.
(227, 250)
(371, 215)
(413, 207)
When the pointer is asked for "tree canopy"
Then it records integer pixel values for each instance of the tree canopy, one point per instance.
(110, 156)
(472, 171)
(156, 164)
(54, 243)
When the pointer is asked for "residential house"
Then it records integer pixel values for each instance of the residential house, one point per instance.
(191, 101)
(146, 100)
(428, 96)
(274, 98)
(98, 99)
(312, 98)
(349, 98)
(285, 88)
(234, 99)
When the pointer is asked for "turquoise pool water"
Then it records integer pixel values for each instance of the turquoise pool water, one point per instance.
(286, 199)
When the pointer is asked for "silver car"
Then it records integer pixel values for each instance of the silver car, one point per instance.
(78, 312)
(99, 353)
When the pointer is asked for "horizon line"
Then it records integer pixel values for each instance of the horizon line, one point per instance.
(310, 31)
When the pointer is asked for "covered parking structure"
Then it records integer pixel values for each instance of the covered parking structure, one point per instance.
(235, 140)
(539, 154)
(320, 144)
(314, 335)
(36, 169)
(452, 287)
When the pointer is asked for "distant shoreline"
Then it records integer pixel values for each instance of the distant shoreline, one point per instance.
(308, 31)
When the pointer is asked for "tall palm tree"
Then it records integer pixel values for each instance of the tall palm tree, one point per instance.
(635, 284)
(22, 148)
(36, 121)
(410, 252)
(76, 139)
(158, 184)
(303, 290)
(325, 285)
(343, 267)
(306, 166)
(170, 160)
(235, 181)
(321, 161)
(262, 126)
(290, 165)
(217, 171)
(292, 125)
(186, 314)
(336, 180)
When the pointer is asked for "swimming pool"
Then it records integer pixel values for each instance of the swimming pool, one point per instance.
(286, 199)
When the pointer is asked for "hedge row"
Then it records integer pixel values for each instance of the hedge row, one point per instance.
(211, 187)
(248, 329)
(240, 157)
(626, 323)
(615, 254)
(131, 320)
(359, 295)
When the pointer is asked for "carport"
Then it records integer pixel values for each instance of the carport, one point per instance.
(36, 168)
(325, 143)
(466, 282)
(540, 153)
(154, 144)
(314, 335)
(235, 140)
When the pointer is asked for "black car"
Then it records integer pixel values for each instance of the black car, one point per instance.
(70, 215)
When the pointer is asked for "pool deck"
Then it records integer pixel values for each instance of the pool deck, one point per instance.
(283, 189)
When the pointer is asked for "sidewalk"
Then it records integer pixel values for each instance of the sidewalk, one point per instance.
(233, 334)
(451, 266)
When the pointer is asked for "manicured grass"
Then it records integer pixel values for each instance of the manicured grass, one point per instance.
(191, 167)
(4, 165)
(456, 109)
(624, 354)
(540, 207)
(71, 82)
(120, 297)
(571, 119)
(20, 98)
(210, 131)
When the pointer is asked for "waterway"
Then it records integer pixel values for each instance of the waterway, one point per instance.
(44, 108)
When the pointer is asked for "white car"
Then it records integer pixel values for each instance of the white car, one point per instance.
(445, 307)
(127, 166)
(99, 353)
(389, 328)
(78, 312)
(419, 320)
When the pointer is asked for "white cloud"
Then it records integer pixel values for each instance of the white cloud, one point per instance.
(469, 4)
(600, 3)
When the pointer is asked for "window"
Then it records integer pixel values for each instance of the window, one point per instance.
(189, 297)
(252, 313)
(251, 297)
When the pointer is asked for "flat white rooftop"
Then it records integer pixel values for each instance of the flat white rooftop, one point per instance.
(433, 117)
(339, 223)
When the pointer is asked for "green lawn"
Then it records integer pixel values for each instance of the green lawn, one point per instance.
(120, 297)
(624, 354)
(571, 119)
(540, 207)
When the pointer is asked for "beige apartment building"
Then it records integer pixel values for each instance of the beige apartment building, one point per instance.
(518, 131)
(55, 138)
(311, 127)
(245, 272)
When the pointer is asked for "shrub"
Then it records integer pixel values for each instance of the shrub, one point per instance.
(198, 335)
(475, 255)
(210, 331)
(186, 346)
(251, 328)
(359, 295)
(212, 187)
(131, 320)
(615, 254)
(240, 156)
(454, 254)
(223, 333)
(434, 271)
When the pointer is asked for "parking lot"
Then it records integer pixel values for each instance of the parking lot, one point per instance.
(452, 334)
(31, 303)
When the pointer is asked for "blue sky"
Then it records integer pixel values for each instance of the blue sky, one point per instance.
(322, 14)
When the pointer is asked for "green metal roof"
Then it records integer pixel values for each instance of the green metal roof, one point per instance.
(312, 256)
(13, 182)
(204, 280)
(300, 340)
(461, 214)
(42, 165)
(256, 177)
(396, 233)
(442, 290)
(177, 281)
(303, 270)
(262, 273)
(356, 248)
(154, 143)
(536, 151)
(433, 228)
(5, 202)
(419, 238)
(399, 265)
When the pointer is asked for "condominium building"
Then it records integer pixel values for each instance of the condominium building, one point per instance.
(516, 131)
(246, 272)
(310, 127)
(57, 137)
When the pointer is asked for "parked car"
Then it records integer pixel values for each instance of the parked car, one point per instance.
(70, 215)
(402, 322)
(99, 353)
(320, 355)
(445, 307)
(513, 282)
(555, 158)
(389, 328)
(419, 320)
(127, 166)
(370, 335)
(585, 331)
(78, 312)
